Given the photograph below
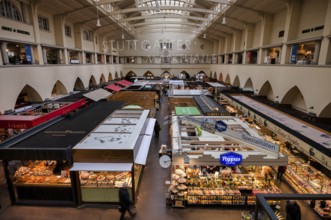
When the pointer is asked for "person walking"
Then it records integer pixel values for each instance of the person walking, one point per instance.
(157, 129)
(125, 202)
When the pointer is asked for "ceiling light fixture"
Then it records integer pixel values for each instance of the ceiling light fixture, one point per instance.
(98, 20)
(205, 35)
(224, 20)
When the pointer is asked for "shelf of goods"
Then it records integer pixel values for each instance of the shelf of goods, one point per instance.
(36, 181)
(224, 188)
(305, 179)
(39, 173)
(104, 179)
(103, 186)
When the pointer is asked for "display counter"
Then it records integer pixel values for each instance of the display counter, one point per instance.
(41, 180)
(197, 187)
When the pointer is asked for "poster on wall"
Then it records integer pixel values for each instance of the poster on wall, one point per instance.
(28, 54)
(294, 54)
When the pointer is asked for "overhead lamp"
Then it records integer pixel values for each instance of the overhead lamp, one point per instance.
(123, 36)
(205, 35)
(224, 20)
(98, 20)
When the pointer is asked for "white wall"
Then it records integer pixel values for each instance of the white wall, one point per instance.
(314, 87)
(313, 14)
(43, 78)
(178, 39)
(70, 41)
(278, 24)
(15, 25)
(47, 37)
(257, 35)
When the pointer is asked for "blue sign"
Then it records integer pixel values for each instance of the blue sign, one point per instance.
(231, 159)
(28, 54)
(221, 126)
(294, 53)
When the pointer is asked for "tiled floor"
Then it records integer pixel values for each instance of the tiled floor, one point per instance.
(151, 199)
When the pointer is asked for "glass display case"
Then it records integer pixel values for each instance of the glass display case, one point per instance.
(197, 185)
(41, 180)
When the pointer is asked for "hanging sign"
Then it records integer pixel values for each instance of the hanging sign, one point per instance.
(230, 159)
(221, 126)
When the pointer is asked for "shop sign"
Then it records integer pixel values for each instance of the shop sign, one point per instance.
(266, 145)
(230, 159)
(221, 126)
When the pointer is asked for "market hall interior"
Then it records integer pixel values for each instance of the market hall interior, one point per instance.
(277, 53)
(151, 203)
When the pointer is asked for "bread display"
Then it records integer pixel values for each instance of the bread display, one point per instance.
(105, 179)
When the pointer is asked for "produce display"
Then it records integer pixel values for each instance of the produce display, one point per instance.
(222, 188)
(39, 172)
(104, 179)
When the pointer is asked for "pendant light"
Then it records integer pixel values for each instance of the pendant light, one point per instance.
(224, 19)
(98, 20)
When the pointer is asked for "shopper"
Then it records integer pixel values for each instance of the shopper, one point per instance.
(157, 129)
(280, 173)
(289, 210)
(296, 211)
(125, 202)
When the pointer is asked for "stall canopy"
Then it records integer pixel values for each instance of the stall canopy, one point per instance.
(98, 94)
(38, 115)
(145, 143)
(124, 83)
(187, 111)
(113, 87)
(54, 140)
(124, 167)
(208, 105)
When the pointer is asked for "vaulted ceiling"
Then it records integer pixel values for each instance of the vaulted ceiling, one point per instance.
(216, 18)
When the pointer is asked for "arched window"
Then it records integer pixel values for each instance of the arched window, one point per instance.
(9, 10)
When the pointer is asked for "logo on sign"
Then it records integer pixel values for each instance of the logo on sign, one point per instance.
(231, 159)
(221, 126)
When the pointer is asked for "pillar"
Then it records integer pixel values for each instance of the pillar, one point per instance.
(4, 54)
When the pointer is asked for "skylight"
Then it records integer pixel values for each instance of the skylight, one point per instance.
(163, 3)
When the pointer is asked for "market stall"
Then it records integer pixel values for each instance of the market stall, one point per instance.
(33, 115)
(303, 173)
(114, 153)
(213, 166)
(37, 161)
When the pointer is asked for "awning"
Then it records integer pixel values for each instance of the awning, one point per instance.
(102, 167)
(146, 142)
(143, 150)
(98, 94)
(113, 87)
(150, 126)
(124, 83)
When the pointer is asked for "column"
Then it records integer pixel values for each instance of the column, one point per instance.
(81, 57)
(5, 58)
(60, 56)
(25, 13)
(1, 60)
(66, 56)
(44, 52)
(95, 58)
(316, 53)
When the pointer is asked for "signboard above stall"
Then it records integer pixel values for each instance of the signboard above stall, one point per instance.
(231, 159)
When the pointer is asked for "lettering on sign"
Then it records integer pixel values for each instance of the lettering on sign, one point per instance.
(231, 159)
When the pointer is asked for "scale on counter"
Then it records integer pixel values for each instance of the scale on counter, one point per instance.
(165, 161)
